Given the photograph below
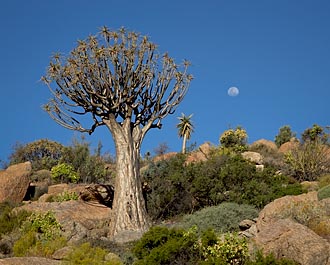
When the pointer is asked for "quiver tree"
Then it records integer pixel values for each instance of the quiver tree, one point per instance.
(122, 82)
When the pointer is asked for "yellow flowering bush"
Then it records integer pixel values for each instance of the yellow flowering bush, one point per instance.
(229, 249)
(234, 138)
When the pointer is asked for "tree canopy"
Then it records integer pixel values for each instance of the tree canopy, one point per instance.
(115, 74)
(185, 129)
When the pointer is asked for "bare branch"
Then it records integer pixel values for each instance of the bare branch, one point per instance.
(116, 74)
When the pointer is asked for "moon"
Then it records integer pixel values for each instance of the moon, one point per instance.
(233, 91)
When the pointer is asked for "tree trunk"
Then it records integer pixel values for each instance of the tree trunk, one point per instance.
(129, 211)
(184, 142)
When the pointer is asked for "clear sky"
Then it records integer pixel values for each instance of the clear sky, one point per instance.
(277, 53)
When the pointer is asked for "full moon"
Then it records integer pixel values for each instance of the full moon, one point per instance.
(233, 91)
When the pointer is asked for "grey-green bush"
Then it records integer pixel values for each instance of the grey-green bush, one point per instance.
(222, 218)
(324, 193)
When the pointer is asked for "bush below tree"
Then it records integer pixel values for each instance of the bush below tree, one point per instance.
(175, 188)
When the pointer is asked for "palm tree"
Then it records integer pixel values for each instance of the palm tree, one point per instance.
(185, 128)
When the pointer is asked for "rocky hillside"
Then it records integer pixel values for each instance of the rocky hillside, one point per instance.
(294, 227)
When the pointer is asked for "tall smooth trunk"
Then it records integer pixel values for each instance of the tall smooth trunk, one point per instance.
(184, 142)
(129, 211)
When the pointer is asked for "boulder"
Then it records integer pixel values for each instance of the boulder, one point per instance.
(285, 207)
(289, 146)
(199, 155)
(58, 188)
(78, 219)
(28, 261)
(253, 157)
(288, 239)
(281, 228)
(164, 156)
(263, 142)
(205, 148)
(260, 168)
(62, 252)
(246, 224)
(14, 182)
(195, 157)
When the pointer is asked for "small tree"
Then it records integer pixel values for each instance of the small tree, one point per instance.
(43, 153)
(309, 160)
(123, 83)
(185, 129)
(161, 149)
(234, 139)
(314, 133)
(284, 135)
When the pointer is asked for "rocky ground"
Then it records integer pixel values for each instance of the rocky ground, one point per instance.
(295, 227)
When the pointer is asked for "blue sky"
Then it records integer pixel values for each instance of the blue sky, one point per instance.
(276, 52)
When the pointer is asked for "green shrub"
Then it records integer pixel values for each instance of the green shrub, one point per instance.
(46, 248)
(229, 249)
(235, 139)
(309, 160)
(323, 193)
(25, 243)
(90, 168)
(64, 173)
(266, 186)
(222, 218)
(175, 188)
(284, 135)
(9, 219)
(85, 254)
(161, 245)
(168, 192)
(43, 223)
(43, 154)
(30, 245)
(64, 196)
(40, 236)
(233, 179)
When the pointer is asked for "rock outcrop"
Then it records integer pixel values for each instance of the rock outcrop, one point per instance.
(281, 229)
(14, 182)
(288, 239)
(57, 189)
(164, 156)
(288, 146)
(263, 142)
(77, 218)
(199, 155)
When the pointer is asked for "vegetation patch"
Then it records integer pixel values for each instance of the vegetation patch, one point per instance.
(324, 193)
(10, 220)
(161, 245)
(222, 218)
(64, 196)
(40, 236)
(85, 254)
